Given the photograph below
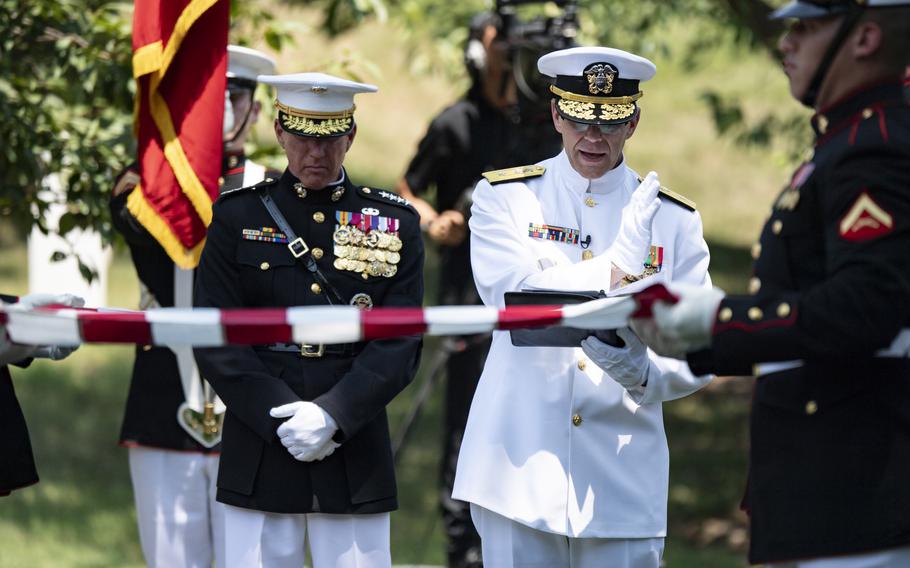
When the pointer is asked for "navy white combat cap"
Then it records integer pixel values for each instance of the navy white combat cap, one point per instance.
(809, 9)
(596, 85)
(245, 64)
(315, 104)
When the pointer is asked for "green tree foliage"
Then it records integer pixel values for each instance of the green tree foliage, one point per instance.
(65, 103)
(66, 90)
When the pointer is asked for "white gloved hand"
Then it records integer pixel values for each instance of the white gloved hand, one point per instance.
(12, 352)
(307, 431)
(682, 327)
(633, 241)
(54, 352)
(31, 301)
(627, 365)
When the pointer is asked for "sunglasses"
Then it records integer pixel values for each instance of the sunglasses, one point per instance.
(605, 129)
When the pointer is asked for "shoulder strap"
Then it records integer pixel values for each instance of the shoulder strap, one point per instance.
(510, 174)
(298, 247)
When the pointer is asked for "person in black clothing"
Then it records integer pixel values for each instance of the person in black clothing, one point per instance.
(17, 463)
(491, 127)
(306, 454)
(171, 422)
(827, 320)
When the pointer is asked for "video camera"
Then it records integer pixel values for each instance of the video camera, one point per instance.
(528, 41)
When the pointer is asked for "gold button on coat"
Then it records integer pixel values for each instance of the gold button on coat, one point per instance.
(264, 266)
(587, 255)
(315, 288)
(868, 112)
(590, 202)
(755, 313)
(319, 216)
(811, 407)
(754, 285)
(366, 190)
(783, 310)
(777, 226)
(146, 347)
(725, 314)
(317, 253)
(577, 420)
(756, 251)
(582, 364)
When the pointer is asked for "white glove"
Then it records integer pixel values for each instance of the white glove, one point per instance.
(633, 241)
(32, 301)
(54, 352)
(626, 365)
(682, 327)
(11, 352)
(307, 434)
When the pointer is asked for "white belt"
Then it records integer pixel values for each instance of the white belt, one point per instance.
(775, 367)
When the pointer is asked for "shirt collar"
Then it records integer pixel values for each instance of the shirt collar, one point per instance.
(575, 183)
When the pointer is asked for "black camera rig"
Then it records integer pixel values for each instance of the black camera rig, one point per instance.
(528, 40)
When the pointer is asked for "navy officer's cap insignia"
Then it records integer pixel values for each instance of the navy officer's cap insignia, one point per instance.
(600, 78)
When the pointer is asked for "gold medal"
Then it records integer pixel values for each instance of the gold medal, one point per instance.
(340, 264)
(379, 255)
(342, 235)
(385, 240)
(372, 239)
(393, 258)
(375, 268)
(390, 271)
(356, 236)
(395, 245)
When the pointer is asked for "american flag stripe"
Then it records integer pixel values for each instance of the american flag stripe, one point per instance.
(208, 327)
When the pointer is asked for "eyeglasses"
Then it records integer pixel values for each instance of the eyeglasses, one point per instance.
(605, 129)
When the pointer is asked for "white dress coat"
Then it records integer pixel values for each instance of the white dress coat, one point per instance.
(523, 456)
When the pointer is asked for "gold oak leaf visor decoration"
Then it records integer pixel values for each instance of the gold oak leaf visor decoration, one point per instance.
(596, 85)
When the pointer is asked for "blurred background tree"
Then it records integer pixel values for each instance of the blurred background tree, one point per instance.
(66, 90)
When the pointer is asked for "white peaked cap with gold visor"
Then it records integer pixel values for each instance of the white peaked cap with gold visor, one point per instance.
(315, 104)
(596, 85)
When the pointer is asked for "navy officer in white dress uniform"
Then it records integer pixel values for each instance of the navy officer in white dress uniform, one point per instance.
(306, 455)
(565, 460)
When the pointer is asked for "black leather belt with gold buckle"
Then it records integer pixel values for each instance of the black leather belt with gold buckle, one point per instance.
(313, 350)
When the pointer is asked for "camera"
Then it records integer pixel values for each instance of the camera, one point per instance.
(528, 41)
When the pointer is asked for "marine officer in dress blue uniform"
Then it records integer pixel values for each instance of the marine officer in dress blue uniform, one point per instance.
(306, 455)
(827, 319)
(171, 424)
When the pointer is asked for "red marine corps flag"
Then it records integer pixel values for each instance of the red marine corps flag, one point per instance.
(179, 63)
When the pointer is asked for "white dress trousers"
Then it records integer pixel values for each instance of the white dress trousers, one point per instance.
(507, 544)
(552, 442)
(180, 523)
(256, 539)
